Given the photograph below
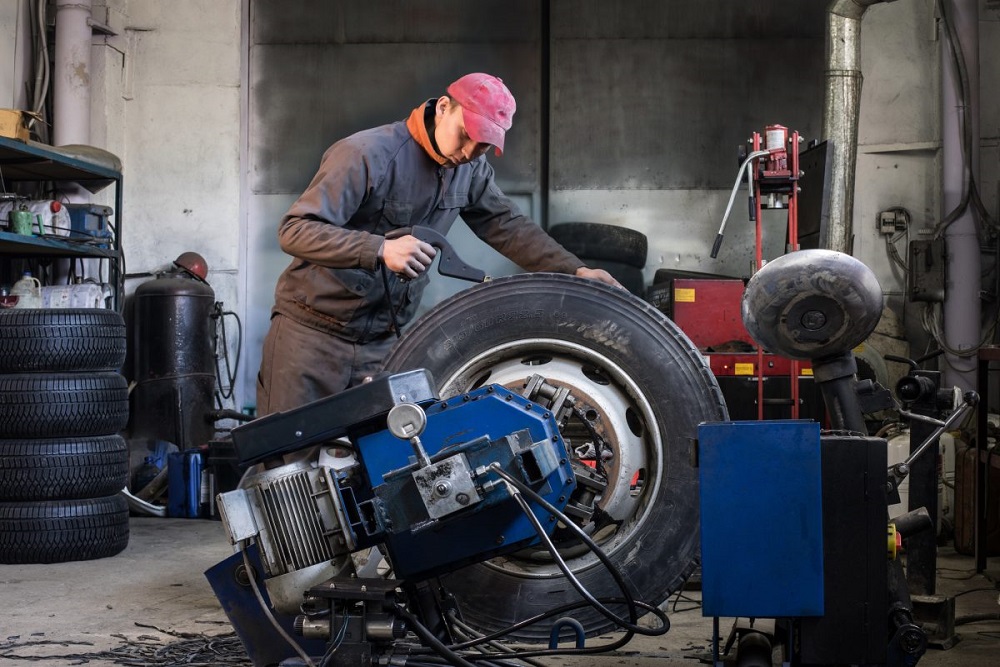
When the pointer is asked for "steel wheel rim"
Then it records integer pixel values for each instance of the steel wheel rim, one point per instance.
(566, 363)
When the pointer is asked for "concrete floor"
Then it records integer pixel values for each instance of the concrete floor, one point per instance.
(153, 596)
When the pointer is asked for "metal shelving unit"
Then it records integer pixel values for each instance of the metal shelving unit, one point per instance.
(31, 162)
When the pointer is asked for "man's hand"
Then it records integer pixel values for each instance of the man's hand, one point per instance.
(407, 256)
(600, 275)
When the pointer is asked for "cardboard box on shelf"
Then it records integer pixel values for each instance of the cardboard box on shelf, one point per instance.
(14, 123)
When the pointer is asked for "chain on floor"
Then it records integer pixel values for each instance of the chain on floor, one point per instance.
(190, 650)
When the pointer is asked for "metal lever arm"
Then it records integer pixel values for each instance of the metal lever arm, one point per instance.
(898, 472)
(449, 264)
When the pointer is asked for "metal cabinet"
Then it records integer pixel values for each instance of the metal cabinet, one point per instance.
(31, 170)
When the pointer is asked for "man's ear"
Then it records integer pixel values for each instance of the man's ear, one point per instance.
(442, 105)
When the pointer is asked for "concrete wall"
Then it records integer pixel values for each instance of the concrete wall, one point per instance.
(220, 109)
(668, 96)
(320, 71)
(647, 103)
(167, 91)
(15, 55)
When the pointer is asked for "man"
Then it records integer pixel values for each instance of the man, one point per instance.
(332, 322)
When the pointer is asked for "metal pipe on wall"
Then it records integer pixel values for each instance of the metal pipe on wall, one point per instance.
(960, 165)
(840, 115)
(71, 75)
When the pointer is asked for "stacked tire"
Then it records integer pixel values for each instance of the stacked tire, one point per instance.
(618, 250)
(63, 402)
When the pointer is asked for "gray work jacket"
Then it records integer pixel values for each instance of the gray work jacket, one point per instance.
(367, 185)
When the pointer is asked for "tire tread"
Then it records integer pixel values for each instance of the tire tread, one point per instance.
(63, 468)
(43, 405)
(61, 339)
(63, 531)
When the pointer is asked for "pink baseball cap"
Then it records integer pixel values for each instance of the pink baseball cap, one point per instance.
(488, 107)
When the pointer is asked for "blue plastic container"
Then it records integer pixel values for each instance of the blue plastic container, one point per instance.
(184, 484)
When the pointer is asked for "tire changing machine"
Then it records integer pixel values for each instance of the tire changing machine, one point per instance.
(795, 537)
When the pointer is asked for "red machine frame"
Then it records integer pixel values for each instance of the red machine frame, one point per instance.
(775, 173)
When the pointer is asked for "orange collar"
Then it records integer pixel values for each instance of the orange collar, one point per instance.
(418, 129)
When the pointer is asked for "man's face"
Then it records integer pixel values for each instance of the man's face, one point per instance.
(453, 141)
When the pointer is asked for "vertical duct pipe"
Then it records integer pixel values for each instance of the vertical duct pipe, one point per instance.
(71, 76)
(840, 115)
(960, 167)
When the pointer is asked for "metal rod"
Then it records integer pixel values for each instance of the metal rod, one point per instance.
(971, 399)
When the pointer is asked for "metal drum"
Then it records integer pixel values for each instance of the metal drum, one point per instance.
(173, 360)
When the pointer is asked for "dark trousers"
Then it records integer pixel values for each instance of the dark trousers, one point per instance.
(300, 365)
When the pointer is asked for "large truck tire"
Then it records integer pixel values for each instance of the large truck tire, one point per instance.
(630, 277)
(637, 379)
(612, 243)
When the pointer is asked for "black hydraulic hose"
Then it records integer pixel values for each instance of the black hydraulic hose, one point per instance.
(466, 633)
(436, 661)
(388, 300)
(913, 522)
(428, 637)
(424, 602)
(216, 415)
(577, 584)
(556, 612)
(594, 548)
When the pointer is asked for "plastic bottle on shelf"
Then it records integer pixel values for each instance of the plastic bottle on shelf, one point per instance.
(28, 291)
(6, 300)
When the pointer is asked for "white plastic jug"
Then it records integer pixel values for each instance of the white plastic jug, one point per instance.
(28, 291)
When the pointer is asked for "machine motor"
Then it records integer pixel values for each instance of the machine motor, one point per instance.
(426, 479)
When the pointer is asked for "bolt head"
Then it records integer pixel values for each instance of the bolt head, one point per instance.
(813, 320)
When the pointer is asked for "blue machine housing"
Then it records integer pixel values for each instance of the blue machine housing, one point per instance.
(487, 425)
(89, 222)
(761, 519)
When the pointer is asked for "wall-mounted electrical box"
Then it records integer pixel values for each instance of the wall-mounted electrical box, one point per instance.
(927, 270)
(893, 220)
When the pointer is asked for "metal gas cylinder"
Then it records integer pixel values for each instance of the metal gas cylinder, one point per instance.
(173, 360)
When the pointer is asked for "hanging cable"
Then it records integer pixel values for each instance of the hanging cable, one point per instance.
(931, 317)
(331, 650)
(559, 611)
(469, 633)
(41, 65)
(231, 370)
(931, 321)
(566, 521)
(393, 311)
(428, 638)
(267, 612)
(970, 190)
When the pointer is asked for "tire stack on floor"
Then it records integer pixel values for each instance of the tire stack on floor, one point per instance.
(63, 463)
(618, 250)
